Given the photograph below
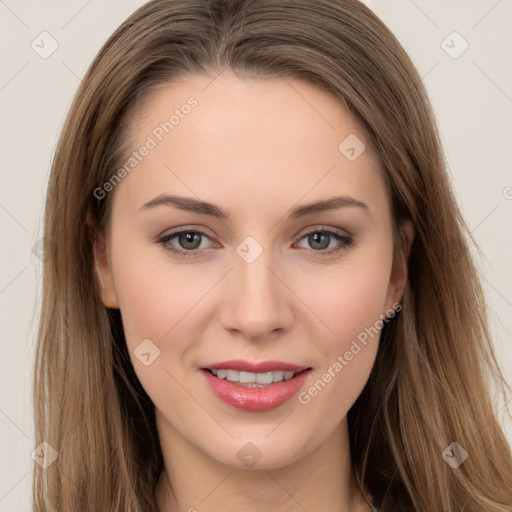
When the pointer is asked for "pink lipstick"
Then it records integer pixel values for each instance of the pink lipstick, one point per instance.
(255, 387)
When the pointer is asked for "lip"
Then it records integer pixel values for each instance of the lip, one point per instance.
(255, 399)
(261, 367)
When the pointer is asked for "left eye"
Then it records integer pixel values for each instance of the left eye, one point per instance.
(318, 239)
(321, 239)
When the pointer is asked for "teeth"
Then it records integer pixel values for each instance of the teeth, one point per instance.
(279, 376)
(247, 378)
(232, 375)
(250, 379)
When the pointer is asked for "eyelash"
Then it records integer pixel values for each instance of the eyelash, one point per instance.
(346, 240)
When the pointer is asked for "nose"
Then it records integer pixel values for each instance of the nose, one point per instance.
(257, 301)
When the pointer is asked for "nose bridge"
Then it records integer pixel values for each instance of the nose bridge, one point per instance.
(257, 303)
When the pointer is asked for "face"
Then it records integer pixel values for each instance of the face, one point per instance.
(267, 281)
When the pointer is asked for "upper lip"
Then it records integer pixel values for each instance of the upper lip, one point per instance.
(261, 367)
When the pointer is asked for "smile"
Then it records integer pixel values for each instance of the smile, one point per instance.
(255, 391)
(252, 380)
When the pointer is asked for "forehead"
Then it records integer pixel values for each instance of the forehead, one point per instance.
(246, 113)
(233, 138)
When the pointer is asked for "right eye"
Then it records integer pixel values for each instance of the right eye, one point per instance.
(188, 239)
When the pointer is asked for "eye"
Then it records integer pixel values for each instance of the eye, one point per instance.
(320, 240)
(189, 240)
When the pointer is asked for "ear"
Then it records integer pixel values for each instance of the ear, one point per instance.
(103, 267)
(398, 277)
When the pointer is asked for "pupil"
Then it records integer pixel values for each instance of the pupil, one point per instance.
(189, 239)
(317, 239)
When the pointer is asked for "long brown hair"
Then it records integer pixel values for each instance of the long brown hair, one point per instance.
(429, 385)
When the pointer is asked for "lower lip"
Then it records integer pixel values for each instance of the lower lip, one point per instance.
(256, 399)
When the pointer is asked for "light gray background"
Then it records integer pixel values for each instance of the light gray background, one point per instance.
(472, 98)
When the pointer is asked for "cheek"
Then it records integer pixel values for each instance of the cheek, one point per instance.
(350, 297)
(350, 301)
(155, 297)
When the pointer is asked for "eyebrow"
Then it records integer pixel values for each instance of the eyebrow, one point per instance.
(190, 204)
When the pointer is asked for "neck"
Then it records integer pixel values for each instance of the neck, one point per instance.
(193, 481)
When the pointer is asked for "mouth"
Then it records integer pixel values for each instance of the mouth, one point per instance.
(268, 386)
(253, 380)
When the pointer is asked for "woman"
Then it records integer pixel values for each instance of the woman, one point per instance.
(258, 293)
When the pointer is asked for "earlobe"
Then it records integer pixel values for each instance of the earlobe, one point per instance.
(407, 233)
(104, 272)
(398, 278)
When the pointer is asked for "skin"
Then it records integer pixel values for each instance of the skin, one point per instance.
(256, 149)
